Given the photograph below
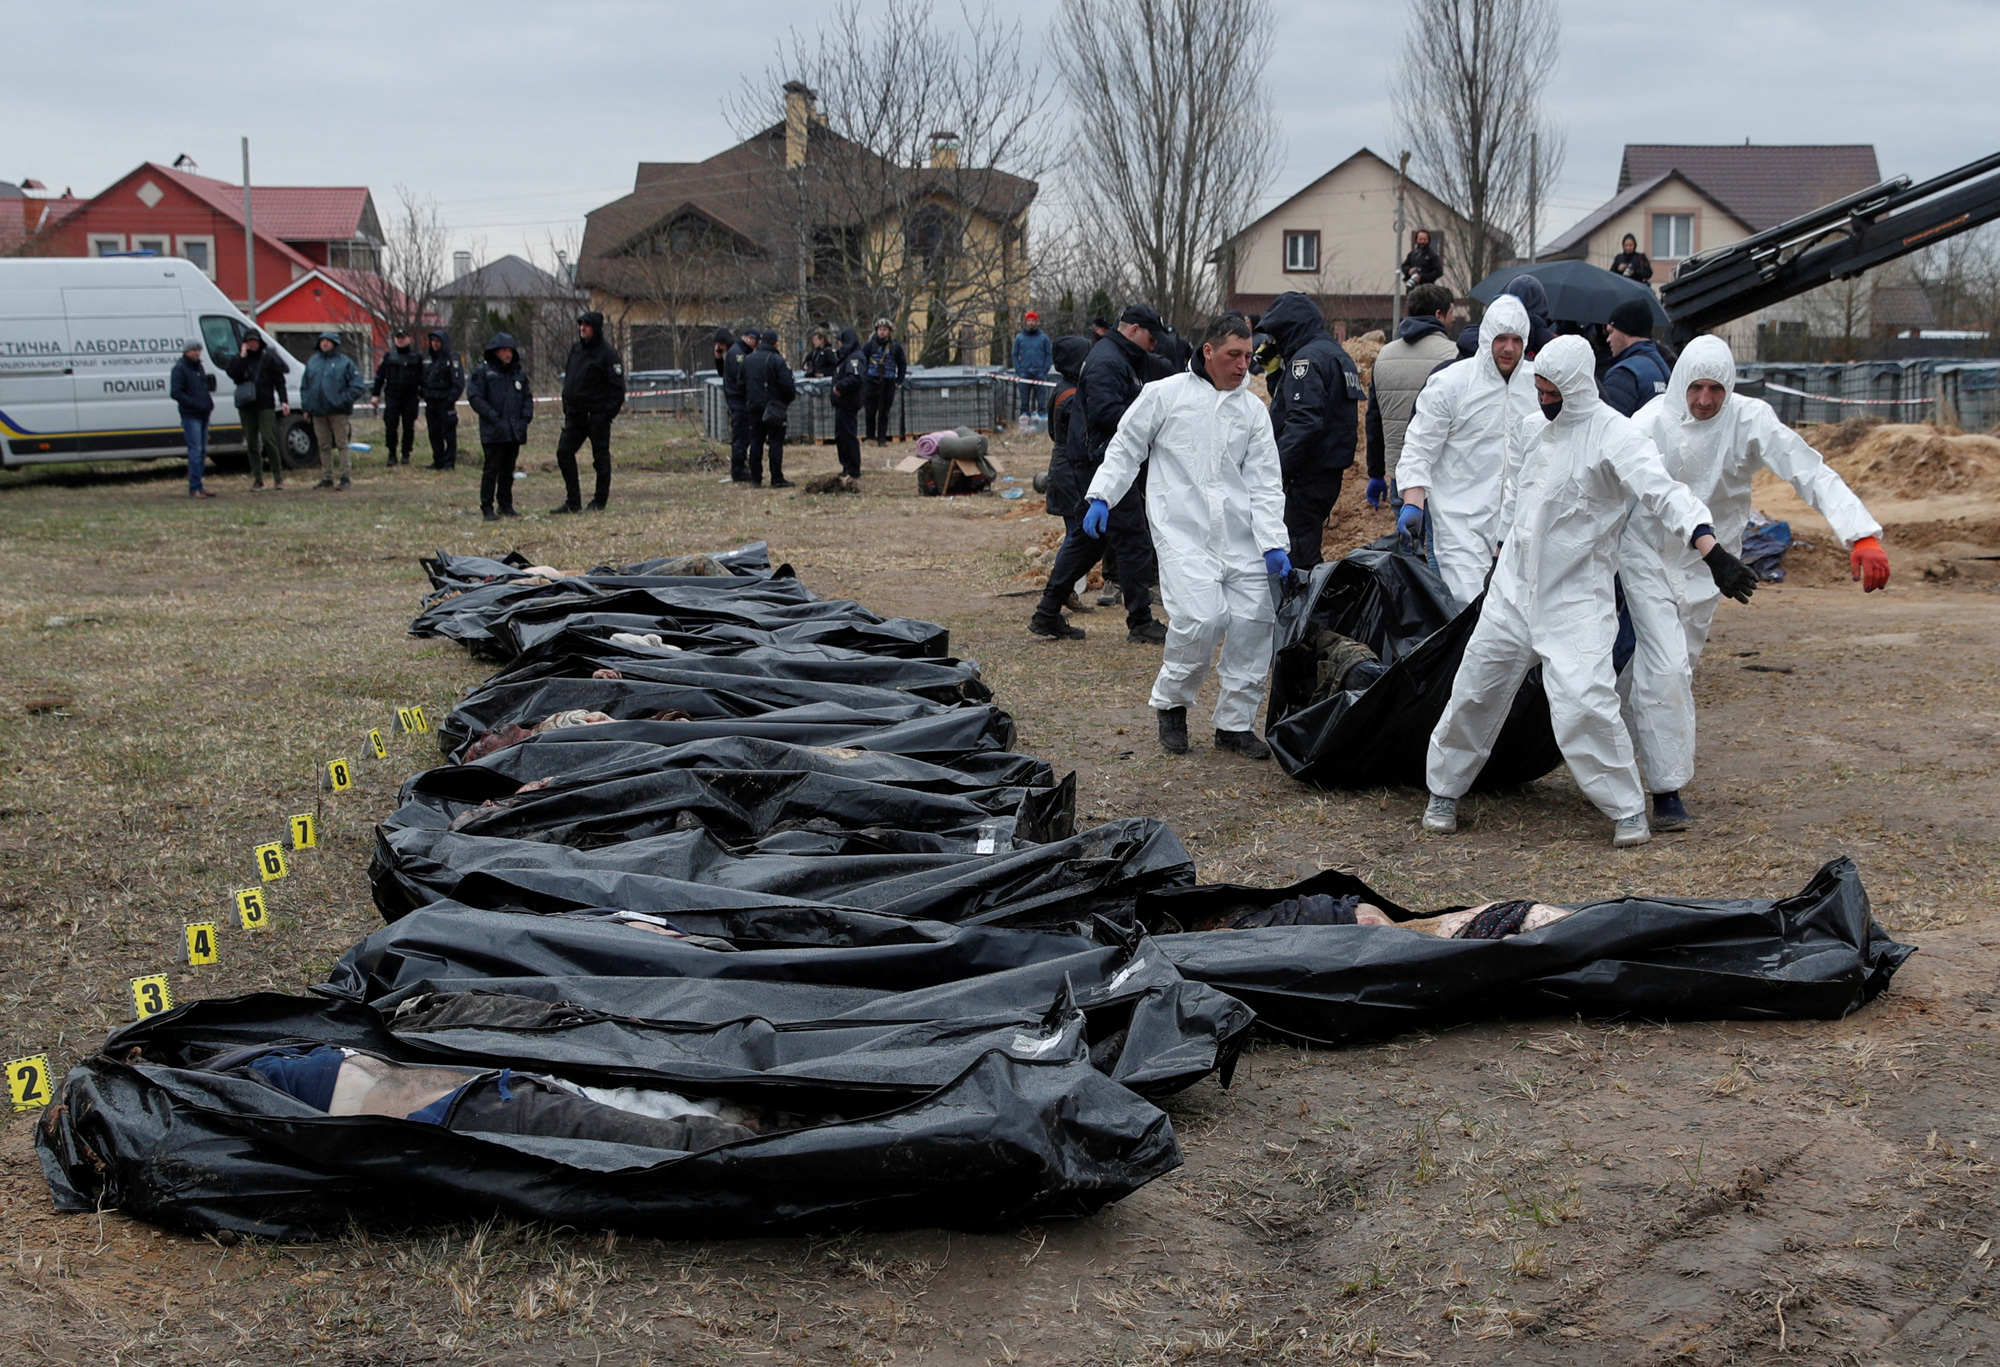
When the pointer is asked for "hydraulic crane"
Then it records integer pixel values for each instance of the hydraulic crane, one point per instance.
(1836, 241)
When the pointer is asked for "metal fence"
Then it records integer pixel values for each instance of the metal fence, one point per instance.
(1944, 390)
(932, 399)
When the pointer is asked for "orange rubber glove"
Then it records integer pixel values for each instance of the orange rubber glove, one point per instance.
(1869, 563)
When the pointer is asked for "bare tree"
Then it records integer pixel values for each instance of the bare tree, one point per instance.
(1175, 138)
(411, 263)
(912, 155)
(1468, 89)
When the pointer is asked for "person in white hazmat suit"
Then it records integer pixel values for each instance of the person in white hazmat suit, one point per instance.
(1713, 440)
(1574, 477)
(1456, 449)
(1216, 500)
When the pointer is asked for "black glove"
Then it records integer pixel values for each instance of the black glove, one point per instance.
(1731, 575)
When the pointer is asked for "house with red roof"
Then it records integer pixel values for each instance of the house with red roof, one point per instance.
(316, 248)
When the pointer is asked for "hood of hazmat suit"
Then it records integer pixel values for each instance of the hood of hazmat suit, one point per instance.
(1456, 448)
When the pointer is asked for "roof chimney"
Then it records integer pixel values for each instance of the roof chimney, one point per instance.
(461, 264)
(799, 117)
(944, 151)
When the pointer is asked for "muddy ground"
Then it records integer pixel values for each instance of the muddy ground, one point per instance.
(172, 676)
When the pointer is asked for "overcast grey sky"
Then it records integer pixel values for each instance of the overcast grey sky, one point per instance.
(518, 117)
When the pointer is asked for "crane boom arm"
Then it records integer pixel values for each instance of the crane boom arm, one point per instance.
(1834, 242)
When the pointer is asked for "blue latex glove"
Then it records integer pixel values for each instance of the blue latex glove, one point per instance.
(1378, 489)
(1410, 522)
(1278, 563)
(1096, 517)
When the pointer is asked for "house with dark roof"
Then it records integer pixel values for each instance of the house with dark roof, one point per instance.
(940, 249)
(316, 248)
(1678, 200)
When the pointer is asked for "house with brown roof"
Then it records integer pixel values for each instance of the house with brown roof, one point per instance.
(797, 226)
(1679, 200)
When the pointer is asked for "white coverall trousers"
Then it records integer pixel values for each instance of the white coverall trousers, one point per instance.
(1583, 705)
(1235, 614)
(1462, 546)
(1657, 704)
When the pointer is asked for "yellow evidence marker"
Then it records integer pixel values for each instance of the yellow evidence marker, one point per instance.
(28, 1082)
(339, 778)
(305, 833)
(201, 945)
(251, 911)
(151, 995)
(270, 862)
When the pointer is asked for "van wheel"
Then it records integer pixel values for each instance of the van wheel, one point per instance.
(301, 450)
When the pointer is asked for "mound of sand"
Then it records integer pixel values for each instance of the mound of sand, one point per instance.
(1364, 350)
(1908, 460)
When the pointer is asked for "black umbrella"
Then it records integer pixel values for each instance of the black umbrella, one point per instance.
(1578, 291)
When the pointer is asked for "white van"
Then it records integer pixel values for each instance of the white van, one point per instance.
(86, 345)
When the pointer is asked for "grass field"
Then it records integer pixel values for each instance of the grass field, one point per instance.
(176, 674)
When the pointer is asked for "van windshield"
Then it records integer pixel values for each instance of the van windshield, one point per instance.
(224, 337)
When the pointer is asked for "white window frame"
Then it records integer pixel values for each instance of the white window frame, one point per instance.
(187, 239)
(99, 242)
(161, 243)
(1301, 236)
(1668, 220)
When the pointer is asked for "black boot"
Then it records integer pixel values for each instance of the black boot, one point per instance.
(562, 508)
(1055, 626)
(1173, 730)
(1244, 743)
(1148, 633)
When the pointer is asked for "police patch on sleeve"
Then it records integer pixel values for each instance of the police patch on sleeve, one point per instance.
(1300, 369)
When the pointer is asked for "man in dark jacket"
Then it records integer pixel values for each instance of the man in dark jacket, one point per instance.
(1422, 265)
(398, 388)
(1421, 346)
(1313, 415)
(190, 387)
(443, 386)
(260, 378)
(849, 384)
(739, 409)
(885, 365)
(1111, 377)
(1638, 371)
(768, 391)
(821, 357)
(593, 390)
(500, 394)
(722, 342)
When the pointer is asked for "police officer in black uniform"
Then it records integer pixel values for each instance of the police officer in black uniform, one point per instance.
(593, 390)
(1313, 414)
(443, 386)
(399, 386)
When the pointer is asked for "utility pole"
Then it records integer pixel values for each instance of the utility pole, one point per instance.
(249, 240)
(1396, 298)
(1534, 188)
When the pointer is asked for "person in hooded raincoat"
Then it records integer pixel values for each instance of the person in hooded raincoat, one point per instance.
(593, 391)
(1713, 440)
(1574, 476)
(1216, 501)
(1313, 412)
(398, 388)
(1455, 451)
(500, 394)
(327, 392)
(443, 385)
